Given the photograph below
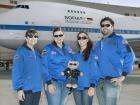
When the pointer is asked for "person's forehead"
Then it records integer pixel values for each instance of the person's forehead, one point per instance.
(82, 34)
(58, 32)
(34, 34)
(106, 22)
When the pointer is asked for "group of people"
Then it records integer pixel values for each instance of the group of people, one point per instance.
(103, 66)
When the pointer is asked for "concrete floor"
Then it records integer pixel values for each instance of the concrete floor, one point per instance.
(130, 92)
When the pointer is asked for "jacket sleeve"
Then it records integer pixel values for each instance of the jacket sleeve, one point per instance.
(127, 56)
(95, 73)
(17, 71)
(45, 62)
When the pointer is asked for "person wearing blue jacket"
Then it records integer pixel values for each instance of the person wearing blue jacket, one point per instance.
(55, 58)
(83, 95)
(26, 71)
(115, 59)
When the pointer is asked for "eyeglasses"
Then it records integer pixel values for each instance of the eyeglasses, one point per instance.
(105, 25)
(73, 64)
(58, 35)
(31, 36)
(79, 38)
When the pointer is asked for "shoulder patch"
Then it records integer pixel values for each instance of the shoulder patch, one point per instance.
(124, 41)
(44, 52)
(16, 56)
(112, 43)
(30, 56)
(96, 57)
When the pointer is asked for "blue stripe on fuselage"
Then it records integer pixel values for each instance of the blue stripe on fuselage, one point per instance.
(67, 29)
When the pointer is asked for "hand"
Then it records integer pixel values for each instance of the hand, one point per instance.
(21, 95)
(51, 89)
(91, 91)
(118, 80)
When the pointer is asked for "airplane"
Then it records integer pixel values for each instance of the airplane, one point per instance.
(45, 16)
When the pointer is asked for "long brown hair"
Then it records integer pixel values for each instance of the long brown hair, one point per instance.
(88, 49)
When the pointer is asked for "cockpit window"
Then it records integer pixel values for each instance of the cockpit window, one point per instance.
(18, 6)
(23, 6)
(27, 6)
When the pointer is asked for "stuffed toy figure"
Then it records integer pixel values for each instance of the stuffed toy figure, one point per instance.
(72, 74)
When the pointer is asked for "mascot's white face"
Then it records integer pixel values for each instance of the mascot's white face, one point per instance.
(73, 65)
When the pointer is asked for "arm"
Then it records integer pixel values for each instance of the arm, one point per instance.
(17, 74)
(45, 62)
(66, 72)
(128, 56)
(17, 71)
(95, 74)
(45, 71)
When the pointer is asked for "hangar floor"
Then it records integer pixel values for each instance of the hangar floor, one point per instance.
(130, 92)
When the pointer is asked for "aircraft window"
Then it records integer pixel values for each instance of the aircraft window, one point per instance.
(22, 6)
(18, 6)
(27, 6)
(126, 14)
(13, 1)
(26, 22)
(81, 12)
(71, 11)
(74, 11)
(68, 10)
(84, 12)
(77, 11)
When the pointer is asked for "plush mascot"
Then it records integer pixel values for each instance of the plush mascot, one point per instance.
(72, 74)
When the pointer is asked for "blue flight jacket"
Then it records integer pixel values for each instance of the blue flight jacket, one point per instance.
(114, 56)
(26, 70)
(55, 60)
(91, 74)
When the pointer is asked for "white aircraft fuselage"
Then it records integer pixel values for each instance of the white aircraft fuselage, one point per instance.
(45, 16)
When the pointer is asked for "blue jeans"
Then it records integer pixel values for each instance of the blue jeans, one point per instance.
(31, 98)
(81, 97)
(108, 93)
(60, 96)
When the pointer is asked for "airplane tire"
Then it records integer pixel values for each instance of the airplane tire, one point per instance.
(139, 65)
(1, 64)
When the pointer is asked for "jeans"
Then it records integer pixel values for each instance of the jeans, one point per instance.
(31, 98)
(81, 97)
(108, 93)
(60, 96)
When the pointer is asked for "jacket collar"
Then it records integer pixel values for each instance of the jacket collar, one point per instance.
(113, 34)
(110, 36)
(25, 45)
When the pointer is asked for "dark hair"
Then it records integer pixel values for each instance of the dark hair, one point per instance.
(87, 51)
(107, 19)
(57, 29)
(31, 32)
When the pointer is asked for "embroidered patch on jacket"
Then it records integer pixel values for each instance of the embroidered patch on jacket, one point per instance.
(30, 56)
(53, 52)
(96, 57)
(112, 43)
(44, 52)
(124, 41)
(16, 57)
